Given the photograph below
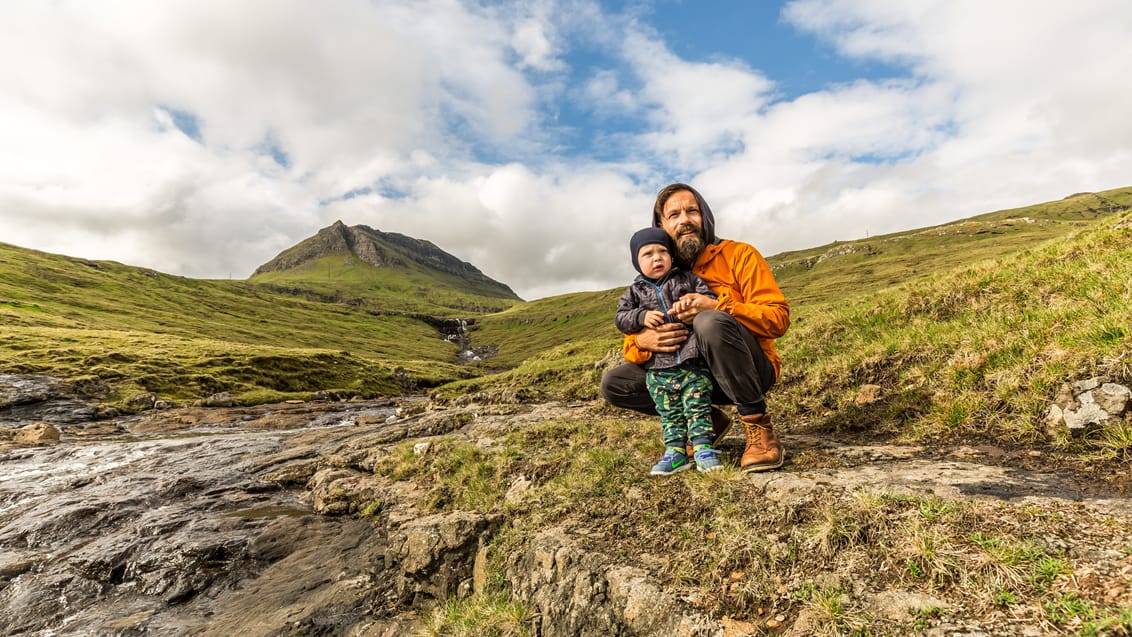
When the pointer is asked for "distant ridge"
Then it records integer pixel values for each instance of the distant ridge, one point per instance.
(399, 254)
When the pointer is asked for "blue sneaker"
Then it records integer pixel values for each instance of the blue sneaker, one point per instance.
(674, 461)
(707, 459)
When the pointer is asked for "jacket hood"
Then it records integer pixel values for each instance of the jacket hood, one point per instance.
(705, 213)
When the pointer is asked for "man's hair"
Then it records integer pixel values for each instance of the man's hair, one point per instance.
(662, 198)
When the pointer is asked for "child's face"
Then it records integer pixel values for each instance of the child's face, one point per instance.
(654, 259)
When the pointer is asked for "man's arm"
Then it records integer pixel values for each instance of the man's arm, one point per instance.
(755, 301)
(639, 348)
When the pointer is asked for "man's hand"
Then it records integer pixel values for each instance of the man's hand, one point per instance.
(689, 306)
(666, 338)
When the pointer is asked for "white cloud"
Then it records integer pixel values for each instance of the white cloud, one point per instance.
(1004, 104)
(698, 110)
(439, 119)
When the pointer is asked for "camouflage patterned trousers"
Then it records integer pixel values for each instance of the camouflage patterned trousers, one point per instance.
(683, 398)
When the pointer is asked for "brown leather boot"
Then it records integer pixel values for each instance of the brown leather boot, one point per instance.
(763, 451)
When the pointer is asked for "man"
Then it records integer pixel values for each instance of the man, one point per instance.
(736, 332)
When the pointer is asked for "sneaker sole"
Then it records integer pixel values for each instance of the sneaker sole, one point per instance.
(765, 467)
(709, 469)
(683, 467)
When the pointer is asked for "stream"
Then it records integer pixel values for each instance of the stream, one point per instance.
(160, 525)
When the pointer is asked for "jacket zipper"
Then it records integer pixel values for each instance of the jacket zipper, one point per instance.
(664, 307)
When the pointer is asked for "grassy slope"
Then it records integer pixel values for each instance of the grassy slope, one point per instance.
(970, 328)
(978, 350)
(129, 329)
(849, 268)
(972, 346)
(969, 352)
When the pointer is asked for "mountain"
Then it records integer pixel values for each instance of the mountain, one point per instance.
(385, 271)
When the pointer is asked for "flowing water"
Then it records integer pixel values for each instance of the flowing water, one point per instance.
(155, 527)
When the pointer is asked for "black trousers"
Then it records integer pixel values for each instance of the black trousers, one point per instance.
(740, 370)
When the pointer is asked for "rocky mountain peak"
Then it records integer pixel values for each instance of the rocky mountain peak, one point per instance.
(380, 250)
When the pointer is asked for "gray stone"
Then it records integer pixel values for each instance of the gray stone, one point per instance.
(142, 401)
(1112, 398)
(582, 594)
(1086, 417)
(222, 399)
(436, 554)
(1083, 386)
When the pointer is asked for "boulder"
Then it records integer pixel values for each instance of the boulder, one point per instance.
(142, 401)
(223, 399)
(36, 433)
(1087, 405)
(578, 593)
(436, 555)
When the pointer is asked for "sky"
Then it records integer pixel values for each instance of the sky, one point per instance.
(529, 138)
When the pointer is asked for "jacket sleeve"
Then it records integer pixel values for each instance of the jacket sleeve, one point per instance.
(629, 348)
(632, 353)
(630, 314)
(755, 300)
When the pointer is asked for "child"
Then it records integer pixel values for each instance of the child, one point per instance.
(679, 382)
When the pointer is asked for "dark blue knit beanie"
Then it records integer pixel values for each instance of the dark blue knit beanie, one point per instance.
(643, 238)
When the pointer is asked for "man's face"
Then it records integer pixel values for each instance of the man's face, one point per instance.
(682, 220)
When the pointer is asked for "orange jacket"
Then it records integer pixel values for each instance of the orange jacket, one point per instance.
(742, 280)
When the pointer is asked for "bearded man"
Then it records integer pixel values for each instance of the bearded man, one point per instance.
(736, 332)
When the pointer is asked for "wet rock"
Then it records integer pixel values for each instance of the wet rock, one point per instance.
(295, 473)
(142, 401)
(36, 433)
(436, 555)
(582, 594)
(29, 398)
(22, 389)
(222, 399)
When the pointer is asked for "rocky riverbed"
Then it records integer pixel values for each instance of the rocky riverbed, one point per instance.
(271, 520)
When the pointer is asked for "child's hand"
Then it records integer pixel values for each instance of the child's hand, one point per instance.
(654, 318)
(680, 305)
(689, 305)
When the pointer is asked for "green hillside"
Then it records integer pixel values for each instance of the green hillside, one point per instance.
(846, 268)
(122, 329)
(979, 350)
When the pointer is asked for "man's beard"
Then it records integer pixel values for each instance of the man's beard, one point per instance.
(688, 247)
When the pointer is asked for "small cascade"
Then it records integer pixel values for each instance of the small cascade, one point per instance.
(456, 331)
